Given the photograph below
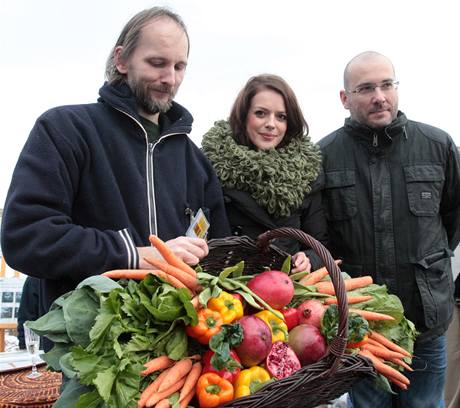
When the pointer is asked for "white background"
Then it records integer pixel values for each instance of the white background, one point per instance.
(53, 52)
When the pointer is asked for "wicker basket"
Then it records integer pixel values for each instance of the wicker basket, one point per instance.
(314, 384)
(18, 391)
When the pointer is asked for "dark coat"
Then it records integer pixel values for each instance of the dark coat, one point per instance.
(88, 189)
(392, 202)
(247, 217)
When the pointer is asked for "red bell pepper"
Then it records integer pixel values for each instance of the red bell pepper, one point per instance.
(224, 373)
(291, 317)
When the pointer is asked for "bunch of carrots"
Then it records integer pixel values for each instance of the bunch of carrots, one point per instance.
(172, 269)
(172, 376)
(315, 279)
(379, 349)
(382, 351)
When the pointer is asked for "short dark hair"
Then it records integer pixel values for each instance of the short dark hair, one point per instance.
(130, 34)
(296, 124)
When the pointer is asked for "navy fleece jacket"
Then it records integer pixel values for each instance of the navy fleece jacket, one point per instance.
(88, 188)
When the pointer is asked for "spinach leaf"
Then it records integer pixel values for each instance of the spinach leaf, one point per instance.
(80, 310)
(230, 335)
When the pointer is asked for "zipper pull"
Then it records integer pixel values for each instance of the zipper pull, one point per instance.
(190, 213)
(375, 141)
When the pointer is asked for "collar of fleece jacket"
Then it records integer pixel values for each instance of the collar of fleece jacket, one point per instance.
(175, 120)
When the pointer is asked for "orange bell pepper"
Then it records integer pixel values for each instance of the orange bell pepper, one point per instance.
(213, 390)
(209, 323)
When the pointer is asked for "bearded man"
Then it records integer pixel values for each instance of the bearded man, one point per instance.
(94, 181)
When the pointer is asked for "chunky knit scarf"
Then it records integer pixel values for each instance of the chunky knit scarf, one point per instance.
(277, 179)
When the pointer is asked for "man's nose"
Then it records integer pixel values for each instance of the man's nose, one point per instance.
(379, 95)
(168, 76)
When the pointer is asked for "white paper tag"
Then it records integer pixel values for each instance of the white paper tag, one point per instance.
(199, 226)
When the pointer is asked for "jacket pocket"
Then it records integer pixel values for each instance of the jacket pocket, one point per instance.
(424, 188)
(435, 284)
(340, 195)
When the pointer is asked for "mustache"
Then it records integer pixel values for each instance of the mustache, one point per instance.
(161, 88)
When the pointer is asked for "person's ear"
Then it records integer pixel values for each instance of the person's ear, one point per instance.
(344, 99)
(120, 63)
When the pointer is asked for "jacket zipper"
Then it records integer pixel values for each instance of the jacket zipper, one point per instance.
(153, 226)
(375, 140)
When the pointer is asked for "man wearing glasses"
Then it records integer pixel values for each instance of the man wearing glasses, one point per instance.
(392, 201)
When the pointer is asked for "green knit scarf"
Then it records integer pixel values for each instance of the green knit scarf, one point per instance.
(277, 179)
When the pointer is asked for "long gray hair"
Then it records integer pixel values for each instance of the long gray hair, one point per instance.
(129, 38)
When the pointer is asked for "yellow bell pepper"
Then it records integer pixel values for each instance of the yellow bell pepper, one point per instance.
(229, 307)
(248, 379)
(277, 326)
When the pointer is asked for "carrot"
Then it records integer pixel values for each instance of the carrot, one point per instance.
(170, 257)
(151, 389)
(350, 300)
(401, 363)
(388, 343)
(191, 380)
(184, 403)
(137, 274)
(176, 372)
(186, 279)
(164, 403)
(385, 369)
(350, 284)
(381, 352)
(376, 343)
(170, 279)
(159, 395)
(316, 276)
(368, 315)
(158, 363)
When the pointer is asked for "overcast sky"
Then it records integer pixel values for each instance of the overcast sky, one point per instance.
(53, 52)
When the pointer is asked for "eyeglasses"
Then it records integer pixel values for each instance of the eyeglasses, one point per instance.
(368, 89)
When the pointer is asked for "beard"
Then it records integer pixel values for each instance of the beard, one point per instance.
(141, 91)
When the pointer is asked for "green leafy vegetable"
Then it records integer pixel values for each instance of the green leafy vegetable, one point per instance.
(230, 335)
(104, 331)
(358, 327)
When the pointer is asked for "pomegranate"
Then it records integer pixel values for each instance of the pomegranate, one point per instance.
(275, 287)
(310, 312)
(257, 341)
(281, 361)
(308, 343)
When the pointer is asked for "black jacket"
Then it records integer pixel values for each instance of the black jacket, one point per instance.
(392, 201)
(247, 217)
(88, 188)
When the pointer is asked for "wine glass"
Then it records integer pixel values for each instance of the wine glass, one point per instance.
(33, 346)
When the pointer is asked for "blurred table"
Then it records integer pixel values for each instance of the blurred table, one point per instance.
(18, 391)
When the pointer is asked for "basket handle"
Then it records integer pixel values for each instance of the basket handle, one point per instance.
(338, 344)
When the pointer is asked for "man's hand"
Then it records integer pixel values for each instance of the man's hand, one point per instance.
(190, 250)
(301, 263)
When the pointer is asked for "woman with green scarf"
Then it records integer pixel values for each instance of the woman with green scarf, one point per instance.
(268, 167)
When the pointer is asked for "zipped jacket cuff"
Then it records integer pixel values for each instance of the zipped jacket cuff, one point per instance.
(131, 250)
